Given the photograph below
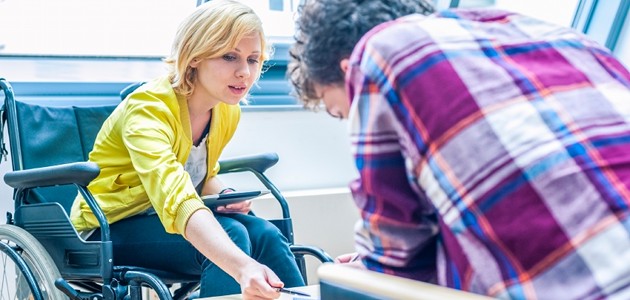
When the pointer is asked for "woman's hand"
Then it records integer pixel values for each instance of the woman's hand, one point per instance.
(240, 207)
(259, 282)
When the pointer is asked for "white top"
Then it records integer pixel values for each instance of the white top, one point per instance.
(196, 164)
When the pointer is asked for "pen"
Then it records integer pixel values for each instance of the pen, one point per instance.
(286, 291)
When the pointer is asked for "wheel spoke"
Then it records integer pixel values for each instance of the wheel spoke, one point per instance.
(13, 282)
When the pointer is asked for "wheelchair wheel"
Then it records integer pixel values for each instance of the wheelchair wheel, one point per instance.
(13, 282)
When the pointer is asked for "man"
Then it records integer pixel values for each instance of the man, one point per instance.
(493, 149)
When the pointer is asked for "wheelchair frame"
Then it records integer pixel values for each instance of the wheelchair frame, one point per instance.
(42, 242)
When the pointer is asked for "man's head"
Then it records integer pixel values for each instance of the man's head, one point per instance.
(326, 33)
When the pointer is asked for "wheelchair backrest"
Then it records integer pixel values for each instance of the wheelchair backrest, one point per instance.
(45, 135)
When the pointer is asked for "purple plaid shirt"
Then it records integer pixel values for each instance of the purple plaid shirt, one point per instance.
(494, 156)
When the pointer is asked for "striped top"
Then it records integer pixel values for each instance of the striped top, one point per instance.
(494, 156)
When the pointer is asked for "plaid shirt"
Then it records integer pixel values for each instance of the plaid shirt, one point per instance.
(494, 156)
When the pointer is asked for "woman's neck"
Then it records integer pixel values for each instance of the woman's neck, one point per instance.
(200, 113)
(199, 104)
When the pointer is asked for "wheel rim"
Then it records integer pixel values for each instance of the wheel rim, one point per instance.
(13, 283)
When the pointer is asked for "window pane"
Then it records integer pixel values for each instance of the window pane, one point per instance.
(277, 17)
(560, 12)
(100, 28)
(112, 27)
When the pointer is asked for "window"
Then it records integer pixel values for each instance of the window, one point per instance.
(111, 28)
(95, 46)
(108, 44)
(602, 20)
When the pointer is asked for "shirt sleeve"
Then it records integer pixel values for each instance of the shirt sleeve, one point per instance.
(150, 138)
(397, 233)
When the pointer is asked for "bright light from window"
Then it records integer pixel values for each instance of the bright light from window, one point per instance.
(112, 27)
(145, 28)
(559, 12)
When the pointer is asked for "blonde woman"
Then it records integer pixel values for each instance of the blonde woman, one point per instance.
(158, 153)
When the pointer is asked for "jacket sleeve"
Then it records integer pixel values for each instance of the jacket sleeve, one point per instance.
(150, 136)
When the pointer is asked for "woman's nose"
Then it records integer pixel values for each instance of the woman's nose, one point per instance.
(243, 71)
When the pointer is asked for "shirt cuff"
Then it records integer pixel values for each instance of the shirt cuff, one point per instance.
(185, 210)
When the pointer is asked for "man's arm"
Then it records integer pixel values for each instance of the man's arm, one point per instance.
(398, 230)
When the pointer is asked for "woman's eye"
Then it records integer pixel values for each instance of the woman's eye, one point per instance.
(252, 61)
(229, 57)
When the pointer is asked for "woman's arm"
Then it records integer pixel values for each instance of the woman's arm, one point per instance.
(207, 235)
(212, 186)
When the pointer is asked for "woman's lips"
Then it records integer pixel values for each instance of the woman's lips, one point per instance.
(238, 90)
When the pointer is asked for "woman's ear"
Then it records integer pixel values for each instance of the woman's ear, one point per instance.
(343, 64)
(194, 63)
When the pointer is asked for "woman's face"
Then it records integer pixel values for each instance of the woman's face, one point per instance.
(229, 77)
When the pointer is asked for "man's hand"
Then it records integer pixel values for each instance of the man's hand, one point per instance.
(350, 259)
(347, 258)
(259, 282)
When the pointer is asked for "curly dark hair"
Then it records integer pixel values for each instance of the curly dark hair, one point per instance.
(326, 33)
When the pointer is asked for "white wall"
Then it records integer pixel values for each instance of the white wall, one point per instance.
(314, 149)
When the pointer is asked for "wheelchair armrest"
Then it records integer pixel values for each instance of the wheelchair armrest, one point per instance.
(80, 173)
(259, 163)
(316, 252)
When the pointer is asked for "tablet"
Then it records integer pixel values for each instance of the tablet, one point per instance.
(215, 200)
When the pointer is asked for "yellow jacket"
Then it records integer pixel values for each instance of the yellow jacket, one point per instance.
(141, 149)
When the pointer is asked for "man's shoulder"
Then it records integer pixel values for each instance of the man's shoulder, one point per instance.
(456, 28)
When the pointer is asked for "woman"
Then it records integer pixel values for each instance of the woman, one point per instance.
(159, 151)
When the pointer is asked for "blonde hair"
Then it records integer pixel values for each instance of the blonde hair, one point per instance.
(213, 29)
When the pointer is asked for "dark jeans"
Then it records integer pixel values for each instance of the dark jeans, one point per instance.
(142, 241)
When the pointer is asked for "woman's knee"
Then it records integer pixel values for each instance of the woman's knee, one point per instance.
(268, 234)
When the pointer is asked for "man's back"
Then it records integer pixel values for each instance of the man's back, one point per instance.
(515, 134)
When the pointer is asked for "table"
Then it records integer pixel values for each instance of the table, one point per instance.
(312, 290)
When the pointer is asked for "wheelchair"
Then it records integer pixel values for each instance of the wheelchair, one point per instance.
(43, 255)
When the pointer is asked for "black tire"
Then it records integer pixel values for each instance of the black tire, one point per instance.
(12, 283)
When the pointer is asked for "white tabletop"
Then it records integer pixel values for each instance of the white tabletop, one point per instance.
(312, 290)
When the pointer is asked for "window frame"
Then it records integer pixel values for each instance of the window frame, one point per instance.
(587, 14)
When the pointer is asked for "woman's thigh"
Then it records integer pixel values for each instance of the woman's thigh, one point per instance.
(142, 241)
